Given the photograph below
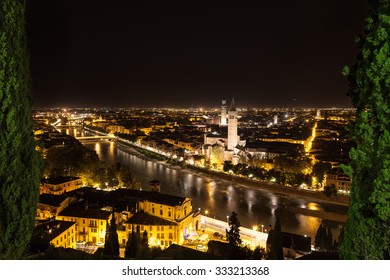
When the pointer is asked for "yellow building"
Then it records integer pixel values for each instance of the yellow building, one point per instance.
(167, 218)
(60, 185)
(90, 223)
(49, 205)
(337, 178)
(54, 233)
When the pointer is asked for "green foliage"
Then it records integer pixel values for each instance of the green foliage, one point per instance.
(20, 164)
(77, 160)
(276, 252)
(367, 233)
(281, 177)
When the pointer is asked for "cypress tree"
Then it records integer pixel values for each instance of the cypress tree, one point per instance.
(128, 253)
(233, 237)
(329, 240)
(277, 242)
(20, 164)
(111, 245)
(367, 230)
(319, 241)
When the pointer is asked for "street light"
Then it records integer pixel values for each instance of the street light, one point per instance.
(227, 220)
(262, 228)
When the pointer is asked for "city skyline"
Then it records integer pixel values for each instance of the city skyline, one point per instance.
(126, 55)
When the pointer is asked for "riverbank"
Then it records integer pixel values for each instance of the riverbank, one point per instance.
(237, 180)
(272, 187)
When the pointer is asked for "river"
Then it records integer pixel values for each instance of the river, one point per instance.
(254, 206)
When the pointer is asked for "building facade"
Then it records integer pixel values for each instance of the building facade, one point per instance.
(223, 121)
(53, 233)
(337, 178)
(90, 223)
(232, 126)
(60, 185)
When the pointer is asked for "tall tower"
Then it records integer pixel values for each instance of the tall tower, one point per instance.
(232, 126)
(223, 113)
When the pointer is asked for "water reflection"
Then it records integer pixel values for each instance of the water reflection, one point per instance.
(220, 197)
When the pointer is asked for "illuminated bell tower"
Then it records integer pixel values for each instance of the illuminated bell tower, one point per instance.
(223, 113)
(232, 126)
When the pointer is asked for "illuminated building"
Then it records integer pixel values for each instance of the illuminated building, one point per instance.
(49, 205)
(337, 178)
(55, 233)
(232, 139)
(167, 219)
(223, 113)
(60, 185)
(90, 223)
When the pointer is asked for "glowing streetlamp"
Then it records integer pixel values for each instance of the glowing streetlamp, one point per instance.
(262, 228)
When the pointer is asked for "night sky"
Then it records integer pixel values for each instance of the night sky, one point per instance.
(120, 54)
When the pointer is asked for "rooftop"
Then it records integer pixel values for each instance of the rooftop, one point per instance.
(142, 218)
(89, 213)
(59, 180)
(52, 229)
(51, 199)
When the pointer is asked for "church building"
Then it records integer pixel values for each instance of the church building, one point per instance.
(219, 147)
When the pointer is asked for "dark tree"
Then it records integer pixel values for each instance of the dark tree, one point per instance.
(145, 240)
(20, 164)
(133, 244)
(111, 246)
(233, 236)
(143, 252)
(320, 169)
(277, 242)
(324, 239)
(367, 233)
(320, 238)
(128, 253)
